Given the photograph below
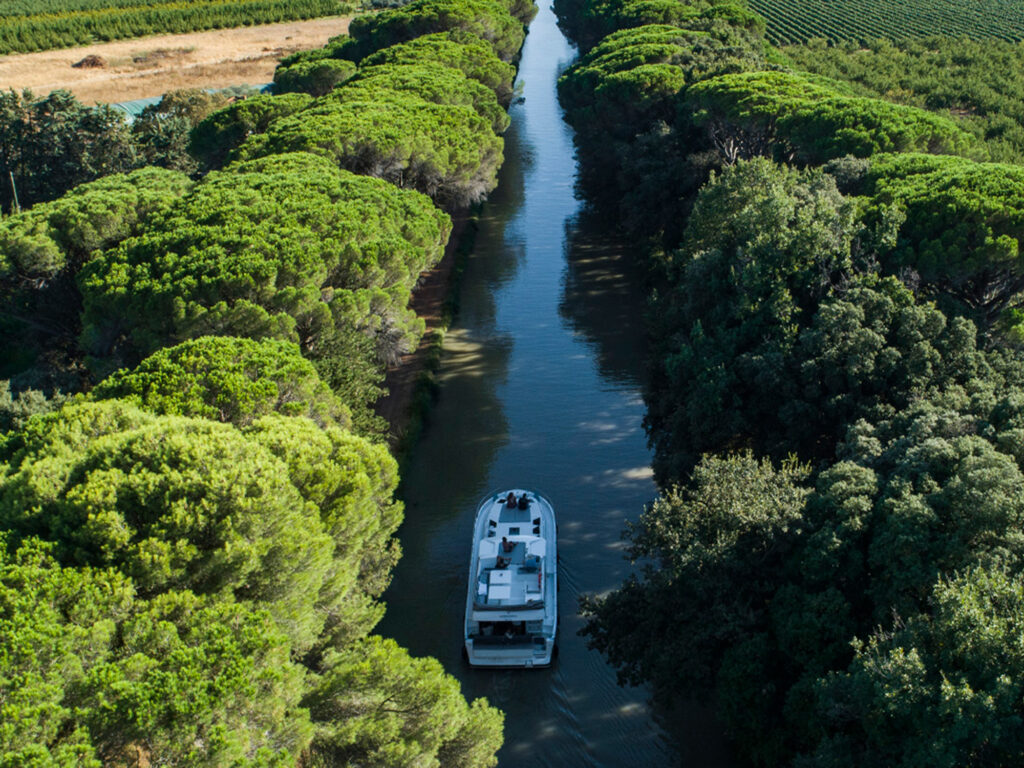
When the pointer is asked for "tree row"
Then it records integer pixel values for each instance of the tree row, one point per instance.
(197, 509)
(835, 556)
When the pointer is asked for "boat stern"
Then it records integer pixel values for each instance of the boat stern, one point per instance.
(509, 653)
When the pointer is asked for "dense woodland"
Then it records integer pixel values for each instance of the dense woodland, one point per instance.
(50, 145)
(197, 508)
(980, 81)
(833, 243)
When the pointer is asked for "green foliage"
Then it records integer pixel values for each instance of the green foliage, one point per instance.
(174, 503)
(714, 554)
(957, 674)
(641, 159)
(637, 158)
(770, 339)
(216, 136)
(162, 130)
(197, 682)
(17, 409)
(288, 247)
(959, 225)
(334, 45)
(920, 497)
(716, 16)
(764, 245)
(313, 76)
(227, 379)
(347, 362)
(41, 252)
(52, 145)
(190, 564)
(871, 350)
(351, 482)
(283, 513)
(457, 49)
(857, 20)
(58, 237)
(92, 675)
(39, 25)
(929, 484)
(591, 20)
(919, 501)
(56, 625)
(192, 104)
(630, 79)
(215, 542)
(489, 20)
(814, 120)
(445, 151)
(865, 614)
(433, 82)
(980, 82)
(375, 705)
(56, 143)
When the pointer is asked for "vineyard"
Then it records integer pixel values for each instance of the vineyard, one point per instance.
(39, 25)
(796, 21)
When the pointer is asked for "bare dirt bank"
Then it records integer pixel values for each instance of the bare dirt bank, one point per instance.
(429, 299)
(151, 66)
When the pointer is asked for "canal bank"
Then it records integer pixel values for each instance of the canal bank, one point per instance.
(539, 385)
(409, 385)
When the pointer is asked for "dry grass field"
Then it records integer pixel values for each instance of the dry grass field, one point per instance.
(151, 66)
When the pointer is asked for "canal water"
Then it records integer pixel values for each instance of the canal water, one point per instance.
(540, 387)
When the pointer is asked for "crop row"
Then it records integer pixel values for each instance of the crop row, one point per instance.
(796, 21)
(12, 8)
(84, 21)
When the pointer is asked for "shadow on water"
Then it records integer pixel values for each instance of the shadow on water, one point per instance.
(540, 386)
(603, 300)
(497, 255)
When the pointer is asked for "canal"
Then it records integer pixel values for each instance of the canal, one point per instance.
(540, 386)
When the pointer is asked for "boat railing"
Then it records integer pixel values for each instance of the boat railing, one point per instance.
(497, 493)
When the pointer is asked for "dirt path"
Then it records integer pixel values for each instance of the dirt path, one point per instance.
(151, 66)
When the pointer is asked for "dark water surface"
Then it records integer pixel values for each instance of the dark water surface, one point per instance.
(540, 387)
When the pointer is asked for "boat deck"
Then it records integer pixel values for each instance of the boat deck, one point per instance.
(510, 564)
(517, 583)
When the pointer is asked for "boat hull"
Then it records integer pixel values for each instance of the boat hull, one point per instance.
(512, 599)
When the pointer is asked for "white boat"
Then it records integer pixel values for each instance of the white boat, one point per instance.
(512, 604)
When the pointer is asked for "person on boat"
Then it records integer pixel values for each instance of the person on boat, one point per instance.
(510, 500)
(524, 503)
(502, 562)
(506, 545)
